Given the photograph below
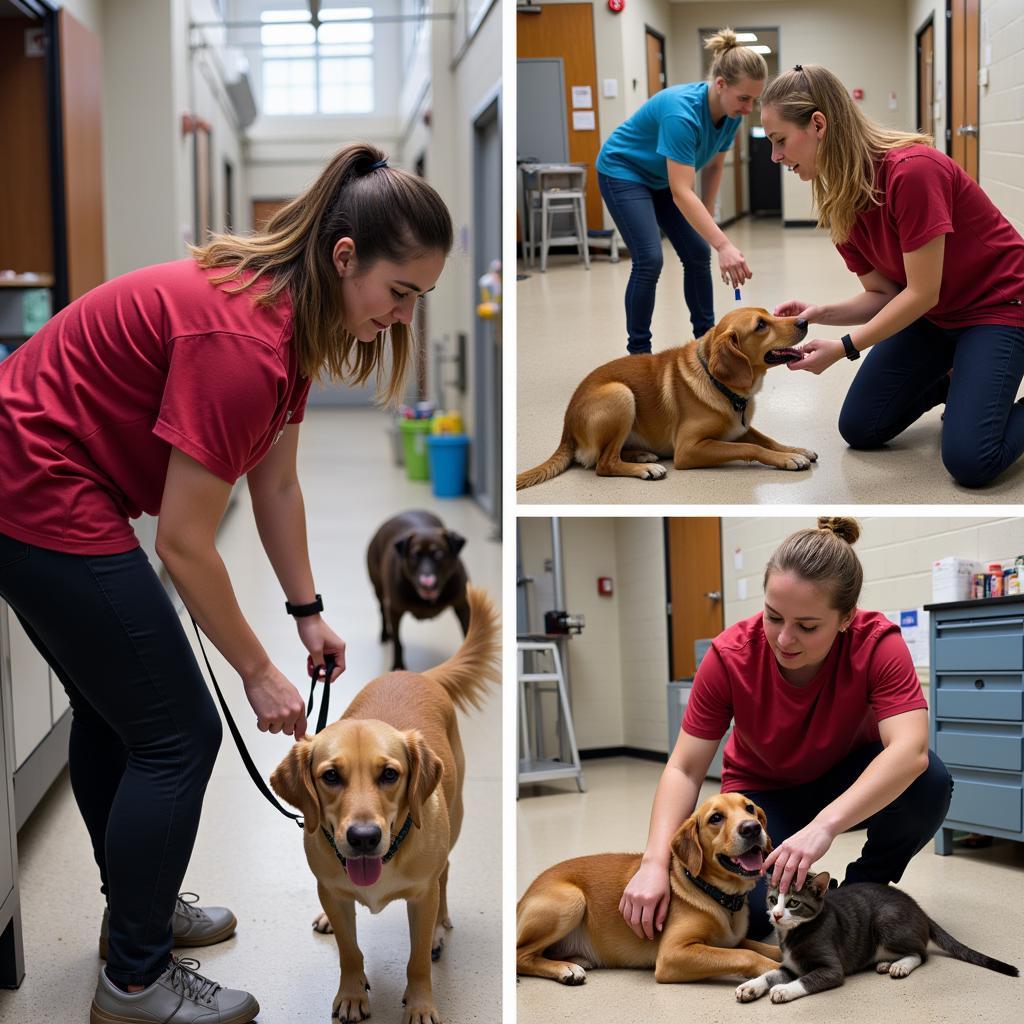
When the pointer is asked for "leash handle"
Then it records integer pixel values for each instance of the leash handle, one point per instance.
(325, 699)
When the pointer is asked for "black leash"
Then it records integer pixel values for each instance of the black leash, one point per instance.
(321, 721)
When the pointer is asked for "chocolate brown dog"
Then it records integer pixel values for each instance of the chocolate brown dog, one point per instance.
(414, 563)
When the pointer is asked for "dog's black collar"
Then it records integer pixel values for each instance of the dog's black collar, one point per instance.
(739, 403)
(392, 849)
(730, 900)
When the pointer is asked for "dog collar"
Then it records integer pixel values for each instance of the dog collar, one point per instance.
(392, 849)
(730, 900)
(739, 403)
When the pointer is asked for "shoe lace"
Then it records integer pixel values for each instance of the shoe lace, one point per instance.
(185, 905)
(183, 977)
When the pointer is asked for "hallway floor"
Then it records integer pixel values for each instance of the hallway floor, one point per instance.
(248, 856)
(571, 321)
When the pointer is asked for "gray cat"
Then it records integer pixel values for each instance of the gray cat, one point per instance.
(827, 934)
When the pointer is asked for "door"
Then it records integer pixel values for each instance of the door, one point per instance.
(264, 209)
(694, 551)
(963, 60)
(926, 77)
(657, 77)
(541, 131)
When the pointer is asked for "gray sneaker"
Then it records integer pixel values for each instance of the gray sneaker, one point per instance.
(193, 926)
(178, 996)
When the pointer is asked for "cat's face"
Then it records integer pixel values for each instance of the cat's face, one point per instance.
(798, 905)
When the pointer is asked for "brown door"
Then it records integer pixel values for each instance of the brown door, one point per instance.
(738, 167)
(567, 31)
(926, 79)
(963, 122)
(695, 587)
(656, 77)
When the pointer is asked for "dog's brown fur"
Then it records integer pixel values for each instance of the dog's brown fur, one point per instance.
(629, 413)
(406, 723)
(568, 920)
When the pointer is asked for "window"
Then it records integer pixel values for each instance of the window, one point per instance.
(325, 70)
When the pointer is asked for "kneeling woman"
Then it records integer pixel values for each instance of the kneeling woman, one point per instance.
(830, 731)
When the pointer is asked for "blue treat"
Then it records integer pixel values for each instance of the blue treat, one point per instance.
(737, 295)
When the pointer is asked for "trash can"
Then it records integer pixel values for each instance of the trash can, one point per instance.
(448, 458)
(414, 441)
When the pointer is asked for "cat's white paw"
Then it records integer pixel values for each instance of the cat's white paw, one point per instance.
(751, 990)
(902, 967)
(787, 993)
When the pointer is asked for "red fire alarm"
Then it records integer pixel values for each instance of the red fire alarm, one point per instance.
(604, 586)
(616, 6)
(858, 94)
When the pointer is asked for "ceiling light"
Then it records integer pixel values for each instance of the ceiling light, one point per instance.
(761, 48)
(746, 37)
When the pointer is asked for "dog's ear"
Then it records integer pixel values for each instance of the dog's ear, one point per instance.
(763, 818)
(686, 845)
(727, 362)
(455, 541)
(425, 771)
(292, 780)
(402, 544)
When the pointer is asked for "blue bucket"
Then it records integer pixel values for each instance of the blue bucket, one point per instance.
(448, 454)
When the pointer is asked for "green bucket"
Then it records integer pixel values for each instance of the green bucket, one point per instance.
(414, 442)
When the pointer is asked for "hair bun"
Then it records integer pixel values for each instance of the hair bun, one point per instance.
(724, 39)
(844, 527)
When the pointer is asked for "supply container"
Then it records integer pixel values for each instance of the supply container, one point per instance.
(449, 456)
(995, 579)
(414, 444)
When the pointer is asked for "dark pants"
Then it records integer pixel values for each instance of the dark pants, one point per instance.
(894, 834)
(906, 375)
(639, 212)
(144, 730)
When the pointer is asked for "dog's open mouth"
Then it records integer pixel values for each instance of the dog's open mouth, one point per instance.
(776, 356)
(363, 870)
(428, 593)
(747, 864)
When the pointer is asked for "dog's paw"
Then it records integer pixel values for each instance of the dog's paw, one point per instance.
(572, 974)
(794, 461)
(419, 1008)
(813, 456)
(751, 990)
(351, 1005)
(322, 925)
(654, 472)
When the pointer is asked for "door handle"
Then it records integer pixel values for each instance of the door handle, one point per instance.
(968, 129)
(715, 595)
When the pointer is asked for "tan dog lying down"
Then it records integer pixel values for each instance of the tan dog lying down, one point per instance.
(382, 788)
(692, 404)
(568, 921)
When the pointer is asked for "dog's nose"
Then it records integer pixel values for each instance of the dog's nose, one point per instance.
(363, 838)
(428, 581)
(749, 829)
(801, 325)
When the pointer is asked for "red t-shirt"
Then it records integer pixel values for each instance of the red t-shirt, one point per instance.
(786, 735)
(91, 405)
(926, 194)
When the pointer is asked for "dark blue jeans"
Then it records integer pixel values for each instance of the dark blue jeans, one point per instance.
(894, 834)
(144, 730)
(905, 376)
(639, 212)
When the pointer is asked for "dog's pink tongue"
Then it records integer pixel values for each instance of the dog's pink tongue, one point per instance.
(364, 870)
(751, 860)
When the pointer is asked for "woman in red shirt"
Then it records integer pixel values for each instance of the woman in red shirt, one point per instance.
(154, 393)
(942, 271)
(830, 731)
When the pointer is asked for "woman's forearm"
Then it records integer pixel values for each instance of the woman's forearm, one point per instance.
(858, 309)
(674, 801)
(901, 311)
(280, 515)
(699, 218)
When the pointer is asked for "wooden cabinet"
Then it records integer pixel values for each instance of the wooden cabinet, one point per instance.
(976, 716)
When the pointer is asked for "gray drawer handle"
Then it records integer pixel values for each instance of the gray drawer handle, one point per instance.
(979, 684)
(979, 624)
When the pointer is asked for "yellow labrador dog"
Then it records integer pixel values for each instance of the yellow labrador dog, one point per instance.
(380, 791)
(692, 404)
(568, 921)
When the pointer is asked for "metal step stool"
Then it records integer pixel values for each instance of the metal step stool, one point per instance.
(533, 765)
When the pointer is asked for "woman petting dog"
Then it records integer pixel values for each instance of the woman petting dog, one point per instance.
(830, 732)
(647, 173)
(154, 393)
(942, 271)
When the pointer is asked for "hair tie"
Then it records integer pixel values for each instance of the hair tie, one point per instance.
(378, 164)
(798, 67)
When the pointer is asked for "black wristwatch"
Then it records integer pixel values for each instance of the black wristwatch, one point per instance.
(851, 352)
(300, 611)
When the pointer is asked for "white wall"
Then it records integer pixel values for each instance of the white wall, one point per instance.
(88, 12)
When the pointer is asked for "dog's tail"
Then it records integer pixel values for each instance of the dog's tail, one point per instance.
(477, 662)
(559, 462)
(957, 949)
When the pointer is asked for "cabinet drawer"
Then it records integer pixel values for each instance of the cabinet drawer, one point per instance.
(979, 651)
(980, 747)
(961, 698)
(995, 804)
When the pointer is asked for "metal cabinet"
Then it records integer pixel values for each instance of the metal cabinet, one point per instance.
(12, 955)
(976, 714)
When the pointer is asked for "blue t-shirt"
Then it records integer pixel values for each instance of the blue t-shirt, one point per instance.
(674, 124)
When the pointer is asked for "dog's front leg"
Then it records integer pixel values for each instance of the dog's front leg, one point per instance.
(691, 454)
(753, 436)
(694, 961)
(764, 948)
(351, 1003)
(419, 995)
(393, 618)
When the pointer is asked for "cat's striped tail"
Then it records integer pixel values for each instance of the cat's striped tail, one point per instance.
(957, 949)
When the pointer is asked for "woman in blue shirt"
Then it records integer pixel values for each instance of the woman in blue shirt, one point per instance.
(647, 172)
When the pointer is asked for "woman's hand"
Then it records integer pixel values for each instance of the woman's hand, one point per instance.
(319, 639)
(818, 355)
(795, 856)
(644, 903)
(733, 265)
(278, 705)
(797, 307)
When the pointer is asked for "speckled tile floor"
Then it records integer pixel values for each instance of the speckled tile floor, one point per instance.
(571, 321)
(249, 857)
(975, 894)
